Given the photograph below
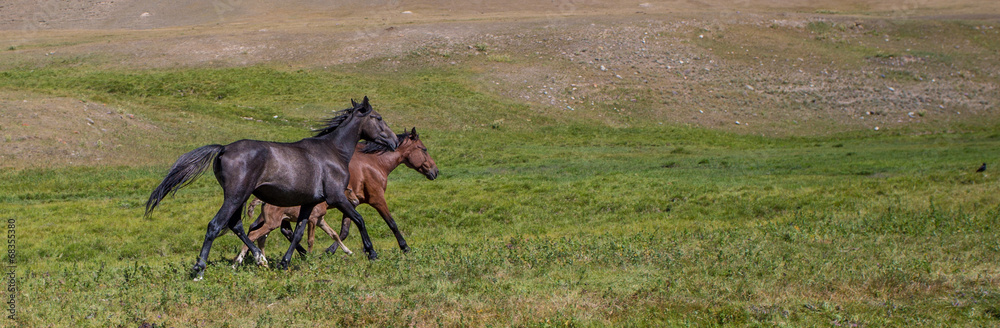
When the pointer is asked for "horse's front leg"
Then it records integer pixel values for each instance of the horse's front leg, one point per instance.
(345, 206)
(304, 213)
(286, 230)
(378, 202)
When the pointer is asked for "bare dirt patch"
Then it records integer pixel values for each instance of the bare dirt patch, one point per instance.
(41, 131)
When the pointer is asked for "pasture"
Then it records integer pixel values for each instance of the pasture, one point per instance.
(593, 204)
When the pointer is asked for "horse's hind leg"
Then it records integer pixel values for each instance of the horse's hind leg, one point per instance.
(300, 228)
(345, 229)
(221, 220)
(258, 233)
(329, 231)
(236, 225)
(310, 235)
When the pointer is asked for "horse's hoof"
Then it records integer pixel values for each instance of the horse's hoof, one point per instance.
(198, 276)
(198, 272)
(405, 248)
(262, 261)
(332, 249)
(372, 256)
(283, 265)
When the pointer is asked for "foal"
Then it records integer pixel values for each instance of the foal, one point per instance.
(273, 216)
(369, 168)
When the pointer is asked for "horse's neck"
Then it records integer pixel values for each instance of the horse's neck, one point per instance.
(389, 160)
(343, 140)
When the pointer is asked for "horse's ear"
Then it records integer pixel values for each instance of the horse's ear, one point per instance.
(354, 104)
(413, 134)
(364, 107)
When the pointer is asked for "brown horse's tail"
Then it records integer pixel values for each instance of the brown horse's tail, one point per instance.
(251, 214)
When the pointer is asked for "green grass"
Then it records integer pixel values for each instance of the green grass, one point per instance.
(585, 230)
(262, 92)
(553, 222)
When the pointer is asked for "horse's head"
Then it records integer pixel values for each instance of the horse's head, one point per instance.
(415, 155)
(372, 127)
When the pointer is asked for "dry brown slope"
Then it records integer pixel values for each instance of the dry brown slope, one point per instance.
(150, 14)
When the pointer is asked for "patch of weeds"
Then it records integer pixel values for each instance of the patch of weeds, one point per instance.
(499, 58)
(443, 54)
(902, 75)
(883, 55)
(993, 313)
(680, 150)
(819, 27)
(863, 172)
(938, 57)
(481, 47)
(730, 315)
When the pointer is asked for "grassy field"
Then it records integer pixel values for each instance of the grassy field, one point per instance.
(612, 213)
(550, 223)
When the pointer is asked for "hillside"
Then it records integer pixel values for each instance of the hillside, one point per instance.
(766, 68)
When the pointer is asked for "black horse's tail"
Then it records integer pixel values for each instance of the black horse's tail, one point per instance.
(187, 168)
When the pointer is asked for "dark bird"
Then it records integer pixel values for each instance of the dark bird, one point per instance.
(982, 168)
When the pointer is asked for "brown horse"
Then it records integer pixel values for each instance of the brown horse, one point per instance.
(271, 217)
(369, 171)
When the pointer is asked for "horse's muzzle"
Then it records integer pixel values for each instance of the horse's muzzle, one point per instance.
(391, 143)
(431, 174)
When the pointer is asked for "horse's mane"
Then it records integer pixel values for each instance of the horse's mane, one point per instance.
(377, 148)
(332, 123)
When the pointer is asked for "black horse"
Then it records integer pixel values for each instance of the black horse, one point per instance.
(302, 173)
